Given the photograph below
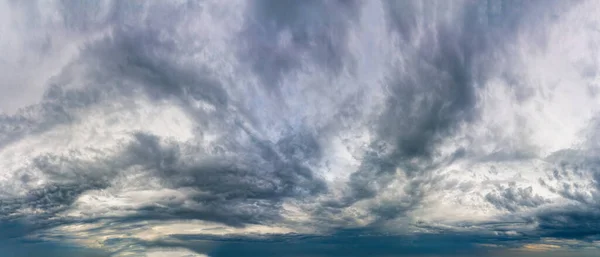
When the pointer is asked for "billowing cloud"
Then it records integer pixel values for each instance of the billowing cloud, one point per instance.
(299, 128)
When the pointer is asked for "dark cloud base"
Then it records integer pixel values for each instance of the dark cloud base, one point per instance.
(359, 243)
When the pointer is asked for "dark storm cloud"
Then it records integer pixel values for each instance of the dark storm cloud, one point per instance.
(514, 198)
(236, 191)
(423, 107)
(37, 210)
(317, 29)
(242, 190)
(571, 222)
(240, 183)
(141, 56)
(49, 200)
(140, 50)
(428, 100)
(61, 99)
(437, 93)
(571, 174)
(452, 60)
(246, 187)
(575, 176)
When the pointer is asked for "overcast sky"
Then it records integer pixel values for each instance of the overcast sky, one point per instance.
(299, 128)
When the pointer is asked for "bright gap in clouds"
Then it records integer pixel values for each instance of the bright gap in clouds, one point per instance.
(299, 128)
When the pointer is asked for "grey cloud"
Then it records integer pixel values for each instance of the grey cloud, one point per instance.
(56, 108)
(574, 175)
(241, 188)
(573, 222)
(438, 92)
(244, 178)
(428, 102)
(317, 29)
(142, 56)
(245, 189)
(63, 94)
(50, 199)
(236, 191)
(452, 61)
(135, 50)
(514, 198)
(69, 178)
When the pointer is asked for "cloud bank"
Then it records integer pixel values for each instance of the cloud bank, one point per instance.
(299, 128)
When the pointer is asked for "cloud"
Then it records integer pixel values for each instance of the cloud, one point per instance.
(211, 128)
(278, 35)
(513, 198)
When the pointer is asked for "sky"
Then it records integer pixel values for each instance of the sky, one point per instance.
(287, 128)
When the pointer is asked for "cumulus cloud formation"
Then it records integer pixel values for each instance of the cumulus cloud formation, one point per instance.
(299, 128)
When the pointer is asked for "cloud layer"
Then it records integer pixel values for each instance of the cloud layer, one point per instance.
(346, 128)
